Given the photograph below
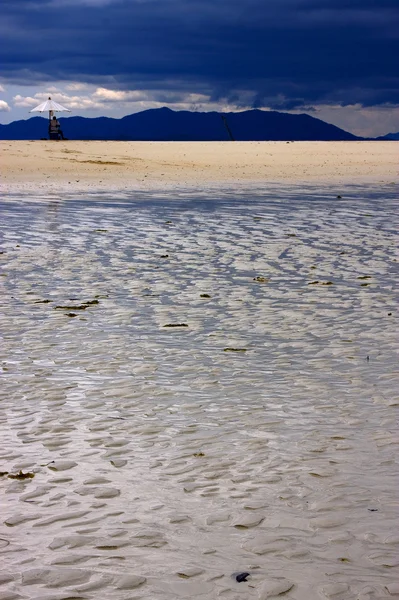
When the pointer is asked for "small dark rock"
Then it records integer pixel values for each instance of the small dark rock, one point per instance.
(242, 577)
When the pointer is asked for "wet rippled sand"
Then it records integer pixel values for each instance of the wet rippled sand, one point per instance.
(256, 436)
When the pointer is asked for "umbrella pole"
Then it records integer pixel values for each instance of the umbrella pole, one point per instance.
(50, 114)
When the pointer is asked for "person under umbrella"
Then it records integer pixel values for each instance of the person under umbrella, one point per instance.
(54, 127)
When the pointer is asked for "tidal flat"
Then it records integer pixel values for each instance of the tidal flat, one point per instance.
(199, 394)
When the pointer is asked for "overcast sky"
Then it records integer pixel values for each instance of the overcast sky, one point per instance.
(334, 59)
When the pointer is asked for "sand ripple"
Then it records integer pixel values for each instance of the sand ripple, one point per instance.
(259, 438)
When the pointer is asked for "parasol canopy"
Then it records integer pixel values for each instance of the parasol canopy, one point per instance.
(51, 106)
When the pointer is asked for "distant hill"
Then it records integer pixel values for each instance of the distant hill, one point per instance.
(163, 124)
(390, 137)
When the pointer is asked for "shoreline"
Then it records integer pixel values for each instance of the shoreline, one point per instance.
(101, 166)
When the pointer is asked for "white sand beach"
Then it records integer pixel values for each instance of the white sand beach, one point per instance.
(199, 371)
(126, 165)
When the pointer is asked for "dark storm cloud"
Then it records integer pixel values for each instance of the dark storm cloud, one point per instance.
(288, 53)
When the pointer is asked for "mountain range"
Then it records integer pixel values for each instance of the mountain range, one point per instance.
(392, 137)
(164, 124)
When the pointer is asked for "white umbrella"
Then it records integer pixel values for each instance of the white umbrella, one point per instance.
(51, 106)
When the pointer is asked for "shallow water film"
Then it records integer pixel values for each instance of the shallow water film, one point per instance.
(199, 393)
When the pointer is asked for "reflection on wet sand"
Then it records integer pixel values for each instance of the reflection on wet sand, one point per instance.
(249, 453)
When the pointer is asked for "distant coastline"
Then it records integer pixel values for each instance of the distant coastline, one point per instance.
(166, 125)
